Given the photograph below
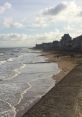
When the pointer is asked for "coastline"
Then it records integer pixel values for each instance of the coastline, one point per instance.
(65, 63)
(20, 113)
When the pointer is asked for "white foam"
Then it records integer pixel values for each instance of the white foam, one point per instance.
(11, 59)
(2, 62)
(8, 60)
(19, 77)
(12, 109)
(17, 72)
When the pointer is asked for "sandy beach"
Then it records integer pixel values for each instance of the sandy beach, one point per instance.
(65, 98)
(65, 62)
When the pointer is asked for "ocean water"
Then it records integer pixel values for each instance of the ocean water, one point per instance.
(25, 77)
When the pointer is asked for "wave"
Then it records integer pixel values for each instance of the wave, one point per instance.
(2, 62)
(11, 59)
(17, 71)
(8, 60)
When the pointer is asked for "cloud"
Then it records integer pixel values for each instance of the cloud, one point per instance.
(65, 12)
(40, 22)
(55, 10)
(10, 23)
(23, 40)
(5, 7)
(17, 40)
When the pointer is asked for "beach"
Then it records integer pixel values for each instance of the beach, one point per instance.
(48, 103)
(65, 63)
(25, 76)
(40, 58)
(64, 100)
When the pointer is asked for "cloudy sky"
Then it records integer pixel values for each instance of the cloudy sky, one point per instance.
(27, 22)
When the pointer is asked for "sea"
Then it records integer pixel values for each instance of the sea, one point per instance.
(25, 76)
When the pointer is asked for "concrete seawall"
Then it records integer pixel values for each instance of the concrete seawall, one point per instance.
(64, 100)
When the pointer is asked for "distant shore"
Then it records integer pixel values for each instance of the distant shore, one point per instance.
(65, 62)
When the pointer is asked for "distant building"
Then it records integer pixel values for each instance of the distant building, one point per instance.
(56, 45)
(77, 43)
(65, 44)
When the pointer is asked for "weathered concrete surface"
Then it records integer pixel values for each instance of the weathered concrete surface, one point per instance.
(64, 100)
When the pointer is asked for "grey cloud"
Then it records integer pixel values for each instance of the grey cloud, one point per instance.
(55, 10)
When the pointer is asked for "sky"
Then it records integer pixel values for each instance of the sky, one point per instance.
(27, 22)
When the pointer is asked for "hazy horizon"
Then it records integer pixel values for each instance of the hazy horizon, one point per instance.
(24, 23)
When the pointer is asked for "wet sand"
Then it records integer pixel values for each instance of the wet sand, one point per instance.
(65, 63)
(38, 86)
(65, 98)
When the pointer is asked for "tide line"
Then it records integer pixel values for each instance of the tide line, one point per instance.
(26, 90)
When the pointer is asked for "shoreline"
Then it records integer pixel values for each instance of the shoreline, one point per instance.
(65, 63)
(19, 114)
(63, 99)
